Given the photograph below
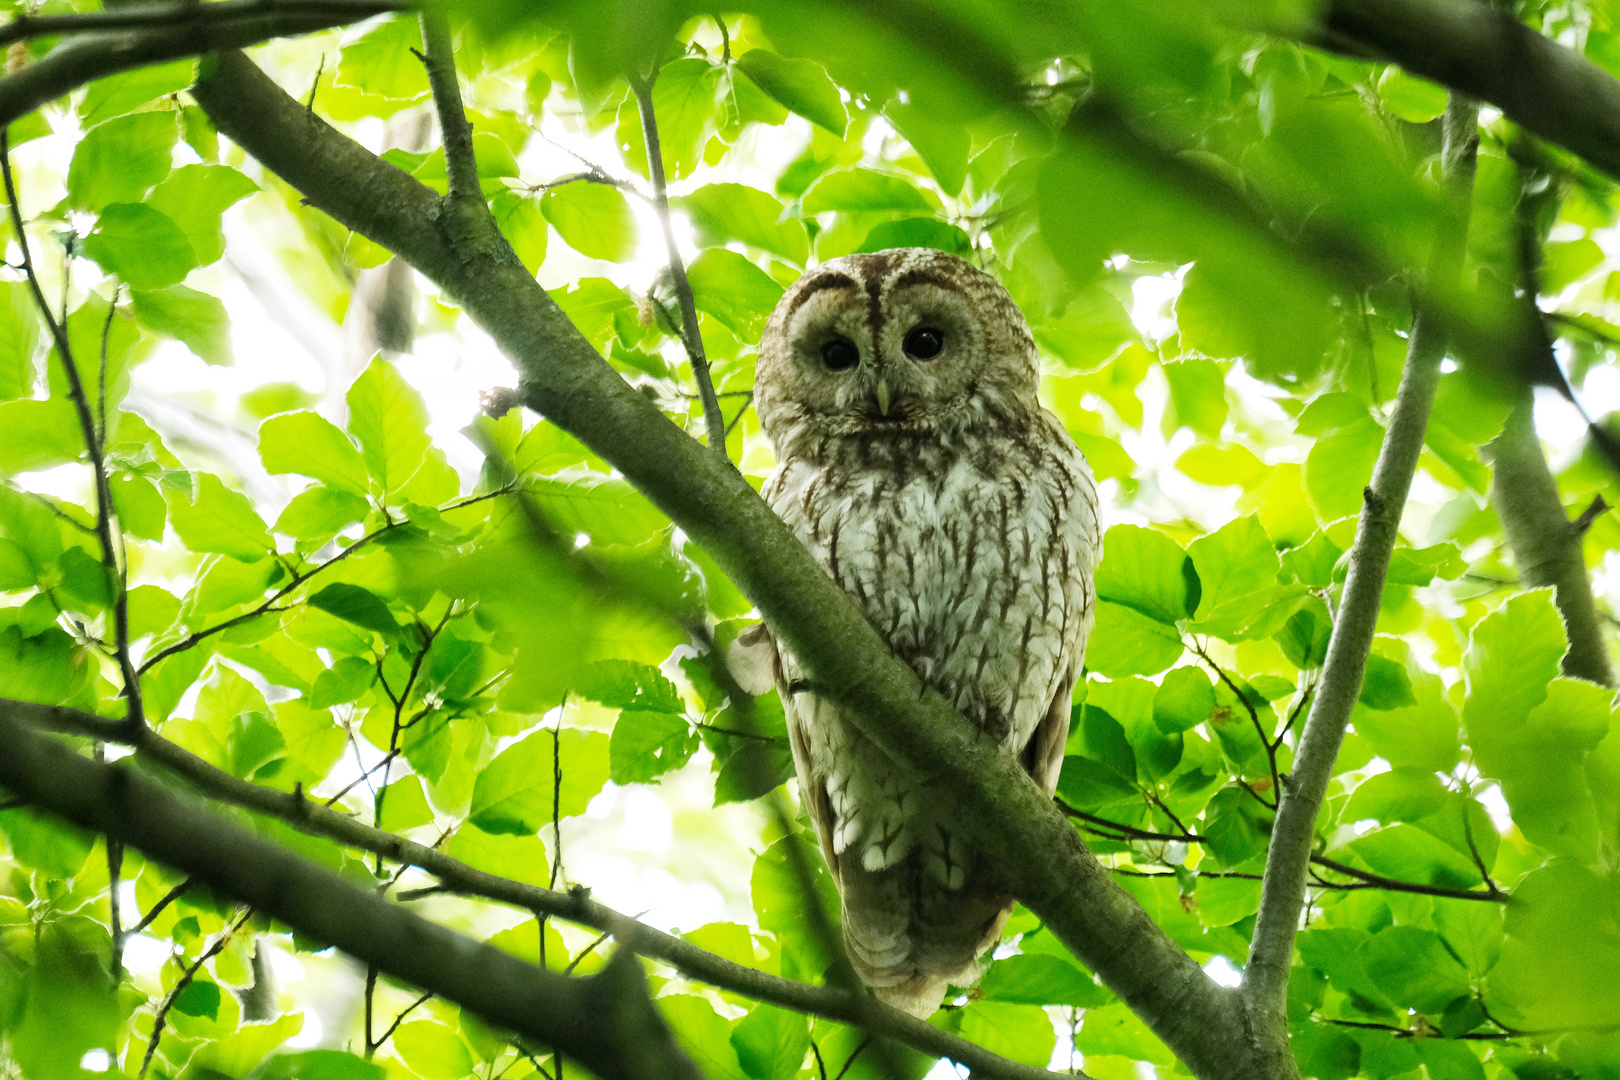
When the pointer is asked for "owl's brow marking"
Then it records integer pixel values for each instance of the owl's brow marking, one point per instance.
(923, 276)
(818, 284)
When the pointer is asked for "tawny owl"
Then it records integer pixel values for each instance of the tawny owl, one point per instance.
(918, 466)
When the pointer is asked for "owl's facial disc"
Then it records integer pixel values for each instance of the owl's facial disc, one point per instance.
(902, 342)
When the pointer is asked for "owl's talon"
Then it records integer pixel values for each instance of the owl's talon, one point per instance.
(799, 686)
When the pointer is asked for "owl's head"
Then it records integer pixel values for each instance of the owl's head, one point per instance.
(909, 341)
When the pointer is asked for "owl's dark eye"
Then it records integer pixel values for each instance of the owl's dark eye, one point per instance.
(840, 354)
(924, 343)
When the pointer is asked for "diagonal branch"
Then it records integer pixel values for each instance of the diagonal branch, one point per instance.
(1265, 980)
(460, 165)
(117, 577)
(26, 27)
(607, 1020)
(95, 55)
(1475, 49)
(576, 906)
(1045, 861)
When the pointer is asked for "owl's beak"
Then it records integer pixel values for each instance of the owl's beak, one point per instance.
(883, 396)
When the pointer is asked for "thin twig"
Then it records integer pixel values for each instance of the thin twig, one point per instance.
(1259, 728)
(135, 715)
(157, 909)
(268, 606)
(400, 1019)
(184, 981)
(713, 420)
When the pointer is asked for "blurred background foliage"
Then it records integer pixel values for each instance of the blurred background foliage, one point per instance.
(469, 631)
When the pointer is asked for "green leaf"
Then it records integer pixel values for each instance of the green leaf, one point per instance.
(1233, 562)
(801, 85)
(387, 416)
(432, 1050)
(189, 316)
(317, 1065)
(726, 212)
(620, 684)
(513, 795)
(219, 520)
(141, 246)
(1090, 332)
(1197, 396)
(1512, 658)
(383, 61)
(117, 162)
(1426, 735)
(1404, 794)
(16, 568)
(1146, 570)
(524, 226)
(194, 197)
(593, 219)
(311, 445)
(38, 434)
(1408, 853)
(771, 1043)
(1554, 971)
(864, 191)
(918, 232)
(1414, 968)
(683, 100)
(608, 511)
(1184, 700)
(521, 858)
(1339, 468)
(317, 514)
(1412, 99)
(752, 770)
(199, 998)
(1114, 1029)
(733, 290)
(1237, 826)
(359, 606)
(1038, 979)
(941, 141)
(1126, 642)
(645, 745)
(1304, 637)
(19, 341)
(1020, 1033)
(121, 93)
(72, 1008)
(703, 1035)
(1385, 684)
(404, 805)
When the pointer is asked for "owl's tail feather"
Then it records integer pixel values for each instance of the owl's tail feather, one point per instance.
(919, 995)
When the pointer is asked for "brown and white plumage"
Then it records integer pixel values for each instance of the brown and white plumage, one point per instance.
(962, 519)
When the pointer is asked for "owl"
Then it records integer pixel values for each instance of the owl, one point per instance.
(916, 463)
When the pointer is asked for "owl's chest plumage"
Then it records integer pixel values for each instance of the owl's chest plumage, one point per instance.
(972, 558)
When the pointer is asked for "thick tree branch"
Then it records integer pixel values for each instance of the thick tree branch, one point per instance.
(1486, 53)
(714, 421)
(95, 56)
(26, 27)
(607, 1020)
(1044, 860)
(457, 877)
(1546, 545)
(1265, 980)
